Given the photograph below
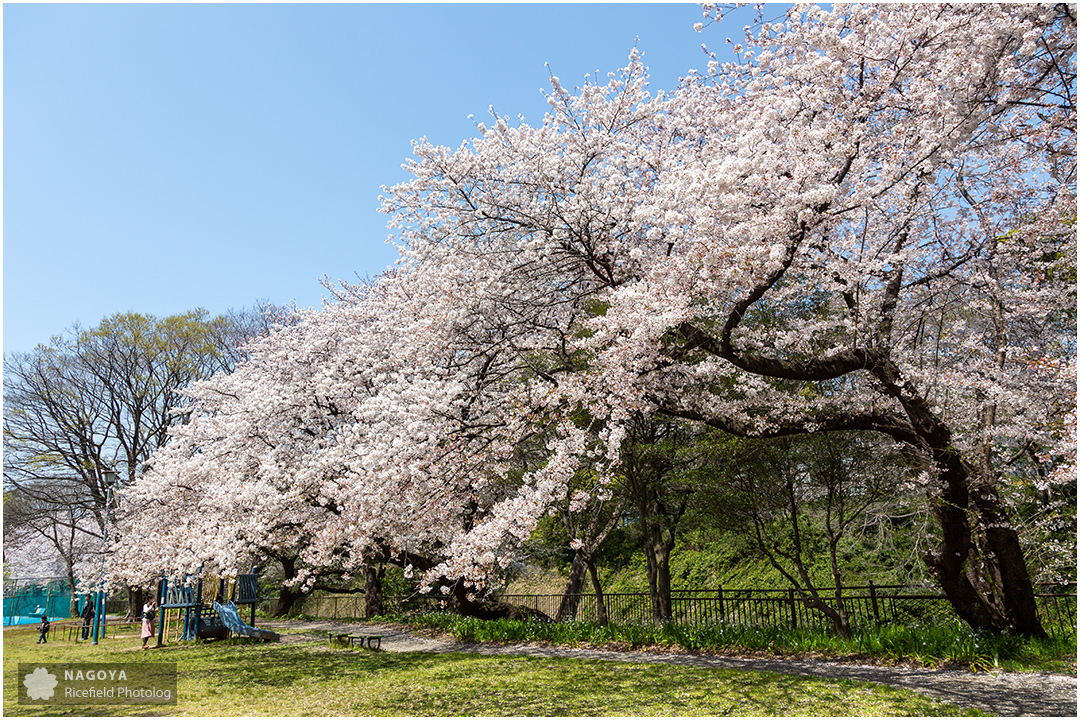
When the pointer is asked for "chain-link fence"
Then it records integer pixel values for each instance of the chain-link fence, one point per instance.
(339, 607)
(27, 599)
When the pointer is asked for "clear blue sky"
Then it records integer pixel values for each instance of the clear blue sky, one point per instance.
(159, 158)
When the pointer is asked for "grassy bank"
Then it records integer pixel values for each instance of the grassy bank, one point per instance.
(238, 678)
(929, 646)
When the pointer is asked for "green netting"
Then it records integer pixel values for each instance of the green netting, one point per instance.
(26, 604)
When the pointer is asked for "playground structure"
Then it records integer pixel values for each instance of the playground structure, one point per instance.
(231, 617)
(204, 607)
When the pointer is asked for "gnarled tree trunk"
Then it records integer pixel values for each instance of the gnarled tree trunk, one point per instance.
(373, 594)
(288, 594)
(988, 586)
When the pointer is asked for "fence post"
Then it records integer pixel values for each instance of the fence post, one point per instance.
(873, 603)
(163, 600)
(720, 596)
(11, 610)
(198, 602)
(254, 591)
(794, 615)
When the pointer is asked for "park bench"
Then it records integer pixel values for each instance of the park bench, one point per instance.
(372, 642)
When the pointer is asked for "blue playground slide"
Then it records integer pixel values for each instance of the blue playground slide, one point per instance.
(231, 617)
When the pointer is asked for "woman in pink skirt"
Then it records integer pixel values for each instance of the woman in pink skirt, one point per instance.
(149, 610)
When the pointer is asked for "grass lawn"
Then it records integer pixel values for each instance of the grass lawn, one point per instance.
(242, 678)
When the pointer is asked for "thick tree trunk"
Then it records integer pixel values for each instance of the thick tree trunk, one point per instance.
(601, 606)
(485, 610)
(136, 600)
(662, 597)
(1010, 569)
(991, 590)
(659, 542)
(373, 595)
(287, 598)
(288, 594)
(572, 593)
(988, 586)
(656, 564)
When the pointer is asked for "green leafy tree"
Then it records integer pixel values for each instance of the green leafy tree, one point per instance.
(658, 456)
(102, 399)
(801, 499)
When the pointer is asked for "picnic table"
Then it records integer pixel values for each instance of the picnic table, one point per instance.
(372, 642)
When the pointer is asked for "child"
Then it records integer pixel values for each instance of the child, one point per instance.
(44, 628)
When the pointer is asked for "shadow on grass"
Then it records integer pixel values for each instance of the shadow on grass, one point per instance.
(243, 679)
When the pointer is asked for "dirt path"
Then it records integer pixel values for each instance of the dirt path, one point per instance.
(1002, 694)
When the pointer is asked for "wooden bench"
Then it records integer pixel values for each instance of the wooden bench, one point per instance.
(372, 642)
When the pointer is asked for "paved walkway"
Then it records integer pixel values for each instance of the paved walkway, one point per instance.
(1003, 694)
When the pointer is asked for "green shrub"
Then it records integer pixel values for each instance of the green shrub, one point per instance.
(929, 645)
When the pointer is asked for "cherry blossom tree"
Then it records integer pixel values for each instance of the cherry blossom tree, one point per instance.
(912, 176)
(865, 224)
(346, 439)
(245, 475)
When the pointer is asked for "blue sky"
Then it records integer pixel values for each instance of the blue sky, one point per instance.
(159, 158)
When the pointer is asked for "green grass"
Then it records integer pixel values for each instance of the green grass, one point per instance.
(930, 646)
(239, 678)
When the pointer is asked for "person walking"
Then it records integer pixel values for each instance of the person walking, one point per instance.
(87, 617)
(149, 612)
(43, 628)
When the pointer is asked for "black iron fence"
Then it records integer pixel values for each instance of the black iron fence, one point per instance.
(770, 607)
(757, 606)
(765, 607)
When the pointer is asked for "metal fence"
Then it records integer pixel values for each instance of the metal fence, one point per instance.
(27, 599)
(765, 607)
(757, 606)
(770, 607)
